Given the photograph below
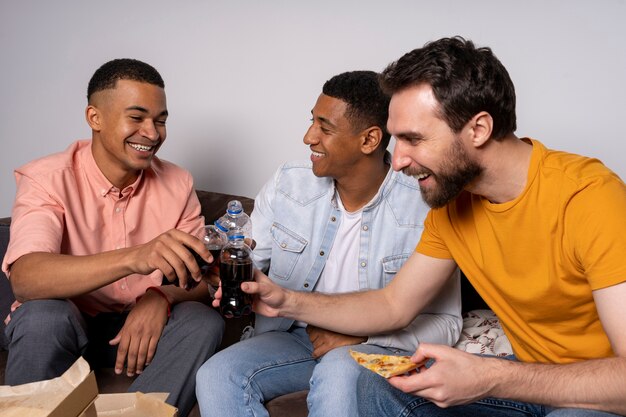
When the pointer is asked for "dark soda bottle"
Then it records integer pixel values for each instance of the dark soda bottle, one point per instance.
(215, 251)
(214, 240)
(235, 268)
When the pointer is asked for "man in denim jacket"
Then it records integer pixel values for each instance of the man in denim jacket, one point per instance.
(343, 222)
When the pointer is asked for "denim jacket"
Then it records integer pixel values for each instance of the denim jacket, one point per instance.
(295, 220)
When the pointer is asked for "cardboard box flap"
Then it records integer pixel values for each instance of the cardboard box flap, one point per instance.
(67, 395)
(134, 405)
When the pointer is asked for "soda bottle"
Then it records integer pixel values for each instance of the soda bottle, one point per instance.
(235, 217)
(214, 240)
(235, 268)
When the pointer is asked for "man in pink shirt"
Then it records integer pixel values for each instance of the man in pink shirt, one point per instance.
(95, 231)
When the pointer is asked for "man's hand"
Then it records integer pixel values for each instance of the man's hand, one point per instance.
(171, 253)
(325, 340)
(138, 339)
(268, 297)
(441, 383)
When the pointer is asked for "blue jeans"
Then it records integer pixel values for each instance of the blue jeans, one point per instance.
(379, 399)
(237, 381)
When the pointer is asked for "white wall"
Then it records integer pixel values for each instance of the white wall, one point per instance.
(247, 73)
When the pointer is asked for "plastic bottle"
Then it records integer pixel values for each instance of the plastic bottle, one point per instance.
(235, 216)
(214, 240)
(235, 268)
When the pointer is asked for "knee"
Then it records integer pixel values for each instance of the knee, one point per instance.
(44, 319)
(337, 363)
(204, 377)
(335, 374)
(201, 320)
(368, 383)
(215, 374)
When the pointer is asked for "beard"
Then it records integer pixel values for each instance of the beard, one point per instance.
(456, 171)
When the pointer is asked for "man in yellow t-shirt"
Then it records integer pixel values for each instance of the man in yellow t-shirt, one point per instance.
(540, 234)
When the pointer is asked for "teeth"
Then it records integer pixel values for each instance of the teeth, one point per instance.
(140, 147)
(420, 176)
(317, 154)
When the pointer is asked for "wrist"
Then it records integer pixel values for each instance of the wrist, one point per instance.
(291, 306)
(162, 294)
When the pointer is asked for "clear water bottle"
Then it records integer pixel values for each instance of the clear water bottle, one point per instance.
(235, 217)
(235, 268)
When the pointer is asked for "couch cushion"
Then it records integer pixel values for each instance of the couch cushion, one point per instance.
(214, 204)
(6, 294)
(289, 405)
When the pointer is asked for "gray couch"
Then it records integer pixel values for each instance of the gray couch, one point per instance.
(213, 206)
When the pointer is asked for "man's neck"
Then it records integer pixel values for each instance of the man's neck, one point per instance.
(506, 164)
(362, 185)
(120, 178)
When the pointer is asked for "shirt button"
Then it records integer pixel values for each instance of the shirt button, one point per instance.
(123, 286)
(321, 253)
(365, 228)
(117, 247)
(306, 285)
(363, 264)
(332, 219)
(283, 245)
(117, 209)
(103, 192)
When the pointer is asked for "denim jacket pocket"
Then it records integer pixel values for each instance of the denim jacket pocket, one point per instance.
(287, 248)
(392, 264)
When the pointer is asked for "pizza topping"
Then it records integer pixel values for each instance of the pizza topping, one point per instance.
(384, 365)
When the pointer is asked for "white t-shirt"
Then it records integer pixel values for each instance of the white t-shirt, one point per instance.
(341, 271)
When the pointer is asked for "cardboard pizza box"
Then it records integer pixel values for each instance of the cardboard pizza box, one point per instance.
(66, 396)
(134, 404)
(75, 394)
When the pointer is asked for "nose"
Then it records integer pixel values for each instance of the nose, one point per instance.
(310, 138)
(149, 130)
(400, 159)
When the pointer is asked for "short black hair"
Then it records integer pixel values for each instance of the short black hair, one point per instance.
(367, 104)
(465, 80)
(109, 73)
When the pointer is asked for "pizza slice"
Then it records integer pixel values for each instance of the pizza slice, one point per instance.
(384, 365)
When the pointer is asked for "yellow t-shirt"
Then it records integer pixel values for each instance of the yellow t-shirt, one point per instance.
(535, 260)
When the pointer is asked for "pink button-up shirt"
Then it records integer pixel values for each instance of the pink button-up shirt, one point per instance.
(64, 204)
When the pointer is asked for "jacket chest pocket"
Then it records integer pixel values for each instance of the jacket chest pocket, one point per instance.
(392, 264)
(287, 249)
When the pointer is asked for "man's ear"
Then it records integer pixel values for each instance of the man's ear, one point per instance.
(370, 139)
(94, 117)
(480, 128)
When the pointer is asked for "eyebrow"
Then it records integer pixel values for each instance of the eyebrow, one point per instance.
(144, 110)
(409, 135)
(324, 120)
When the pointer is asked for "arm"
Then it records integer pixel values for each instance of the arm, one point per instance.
(362, 313)
(39, 270)
(50, 275)
(597, 384)
(137, 340)
(440, 322)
